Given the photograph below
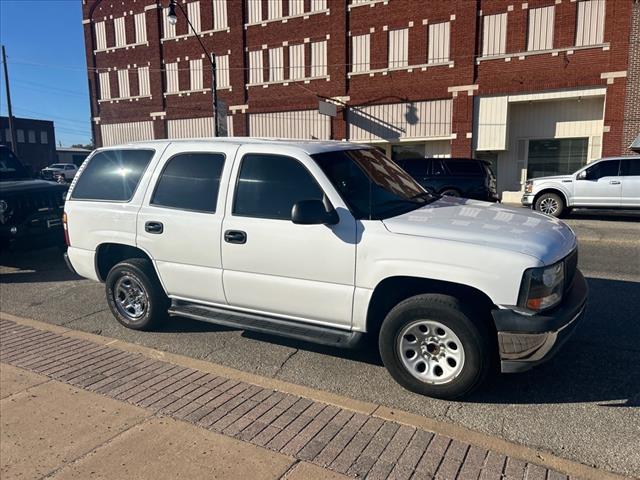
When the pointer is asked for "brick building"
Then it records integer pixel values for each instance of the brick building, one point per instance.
(536, 87)
(36, 140)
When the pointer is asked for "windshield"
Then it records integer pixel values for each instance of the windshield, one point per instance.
(371, 185)
(10, 166)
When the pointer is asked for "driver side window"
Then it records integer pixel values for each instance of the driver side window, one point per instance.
(609, 168)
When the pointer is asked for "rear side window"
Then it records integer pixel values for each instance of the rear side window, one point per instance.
(112, 175)
(630, 167)
(190, 181)
(269, 185)
(417, 168)
(467, 168)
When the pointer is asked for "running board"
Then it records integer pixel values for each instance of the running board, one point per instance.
(266, 324)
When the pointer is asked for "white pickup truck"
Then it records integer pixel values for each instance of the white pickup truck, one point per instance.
(326, 242)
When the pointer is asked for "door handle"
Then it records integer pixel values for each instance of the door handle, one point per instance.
(154, 227)
(235, 236)
(615, 182)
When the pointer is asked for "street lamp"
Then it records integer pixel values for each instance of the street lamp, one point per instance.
(173, 19)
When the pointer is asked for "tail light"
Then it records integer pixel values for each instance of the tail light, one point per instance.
(66, 229)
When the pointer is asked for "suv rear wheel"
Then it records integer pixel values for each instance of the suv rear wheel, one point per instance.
(431, 346)
(135, 295)
(550, 204)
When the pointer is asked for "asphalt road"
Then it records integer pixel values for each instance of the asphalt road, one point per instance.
(584, 404)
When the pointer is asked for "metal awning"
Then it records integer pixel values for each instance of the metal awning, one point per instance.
(635, 146)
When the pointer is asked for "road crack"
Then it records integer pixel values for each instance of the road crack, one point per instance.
(284, 362)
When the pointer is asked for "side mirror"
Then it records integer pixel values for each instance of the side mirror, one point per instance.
(582, 175)
(313, 212)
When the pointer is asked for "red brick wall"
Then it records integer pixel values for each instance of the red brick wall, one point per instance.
(631, 128)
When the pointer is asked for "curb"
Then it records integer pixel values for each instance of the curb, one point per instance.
(456, 432)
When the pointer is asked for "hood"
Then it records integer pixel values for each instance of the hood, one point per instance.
(554, 177)
(29, 185)
(481, 223)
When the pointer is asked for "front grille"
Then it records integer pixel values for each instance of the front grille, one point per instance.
(570, 267)
(24, 205)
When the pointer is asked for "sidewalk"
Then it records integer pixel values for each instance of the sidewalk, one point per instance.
(75, 408)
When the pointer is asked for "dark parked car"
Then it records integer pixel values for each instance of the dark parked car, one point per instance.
(457, 177)
(30, 210)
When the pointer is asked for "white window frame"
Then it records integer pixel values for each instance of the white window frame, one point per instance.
(276, 64)
(274, 9)
(590, 23)
(494, 34)
(398, 48)
(256, 67)
(193, 14)
(541, 25)
(144, 83)
(169, 30)
(222, 72)
(220, 15)
(319, 59)
(172, 77)
(296, 7)
(101, 36)
(361, 53)
(140, 21)
(120, 28)
(297, 61)
(254, 11)
(439, 43)
(105, 85)
(123, 83)
(196, 77)
(318, 5)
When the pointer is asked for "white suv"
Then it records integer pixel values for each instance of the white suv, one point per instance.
(324, 242)
(605, 183)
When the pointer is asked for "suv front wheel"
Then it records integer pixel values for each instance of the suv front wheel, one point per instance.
(135, 295)
(430, 345)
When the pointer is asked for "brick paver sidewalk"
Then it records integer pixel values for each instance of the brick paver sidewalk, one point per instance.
(341, 440)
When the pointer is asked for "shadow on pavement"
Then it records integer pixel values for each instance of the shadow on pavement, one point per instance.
(39, 265)
(608, 215)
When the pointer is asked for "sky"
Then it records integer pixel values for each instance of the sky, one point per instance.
(44, 40)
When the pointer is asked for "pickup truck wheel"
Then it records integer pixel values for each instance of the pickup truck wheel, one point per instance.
(550, 204)
(431, 346)
(135, 295)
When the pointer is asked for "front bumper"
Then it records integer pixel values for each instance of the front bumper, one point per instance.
(527, 199)
(35, 232)
(525, 341)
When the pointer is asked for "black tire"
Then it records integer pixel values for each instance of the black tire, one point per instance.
(450, 192)
(141, 271)
(550, 204)
(475, 336)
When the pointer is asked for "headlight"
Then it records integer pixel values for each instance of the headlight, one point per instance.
(542, 287)
(528, 186)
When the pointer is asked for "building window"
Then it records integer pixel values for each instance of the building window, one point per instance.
(220, 14)
(169, 29)
(123, 83)
(44, 137)
(360, 53)
(398, 48)
(256, 69)
(274, 9)
(31, 135)
(144, 87)
(101, 36)
(20, 135)
(494, 35)
(195, 73)
(318, 5)
(296, 7)
(193, 14)
(541, 28)
(296, 62)
(121, 32)
(141, 28)
(105, 86)
(319, 59)
(173, 83)
(556, 156)
(439, 36)
(254, 7)
(590, 29)
(276, 64)
(222, 72)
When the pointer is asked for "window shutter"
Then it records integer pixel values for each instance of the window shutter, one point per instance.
(121, 33)
(123, 83)
(439, 36)
(590, 29)
(256, 72)
(541, 22)
(101, 36)
(173, 85)
(319, 59)
(494, 35)
(144, 87)
(360, 53)
(220, 14)
(141, 28)
(276, 64)
(296, 62)
(398, 48)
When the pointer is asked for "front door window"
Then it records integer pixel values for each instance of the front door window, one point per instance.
(556, 156)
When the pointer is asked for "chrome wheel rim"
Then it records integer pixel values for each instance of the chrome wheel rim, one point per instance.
(130, 297)
(549, 205)
(430, 351)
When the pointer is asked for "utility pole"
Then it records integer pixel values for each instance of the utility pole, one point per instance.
(12, 130)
